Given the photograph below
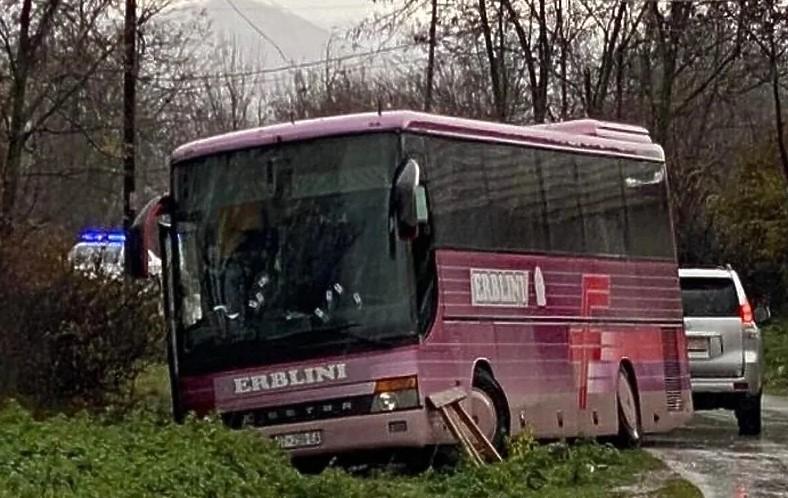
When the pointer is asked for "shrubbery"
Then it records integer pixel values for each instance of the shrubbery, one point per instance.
(143, 455)
(751, 220)
(66, 340)
(775, 340)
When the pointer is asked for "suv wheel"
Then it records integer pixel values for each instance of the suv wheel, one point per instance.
(748, 415)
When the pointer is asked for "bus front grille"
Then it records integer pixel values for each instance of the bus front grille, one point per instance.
(301, 412)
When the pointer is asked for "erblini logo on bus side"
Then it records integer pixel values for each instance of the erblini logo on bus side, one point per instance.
(506, 287)
(499, 288)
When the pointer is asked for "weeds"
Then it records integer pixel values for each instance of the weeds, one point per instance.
(775, 340)
(143, 454)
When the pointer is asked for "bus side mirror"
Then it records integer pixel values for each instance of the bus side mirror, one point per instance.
(141, 238)
(410, 202)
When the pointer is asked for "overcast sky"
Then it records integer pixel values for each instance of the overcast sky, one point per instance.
(328, 13)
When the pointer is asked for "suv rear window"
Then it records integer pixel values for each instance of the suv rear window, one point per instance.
(709, 297)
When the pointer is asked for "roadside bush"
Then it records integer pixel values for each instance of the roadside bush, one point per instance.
(66, 340)
(751, 218)
(144, 455)
(775, 342)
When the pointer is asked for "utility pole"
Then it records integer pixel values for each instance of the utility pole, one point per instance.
(129, 108)
(431, 61)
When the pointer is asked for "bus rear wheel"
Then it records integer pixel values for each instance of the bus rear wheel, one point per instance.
(630, 431)
(489, 409)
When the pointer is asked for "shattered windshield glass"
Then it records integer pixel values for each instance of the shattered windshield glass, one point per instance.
(288, 247)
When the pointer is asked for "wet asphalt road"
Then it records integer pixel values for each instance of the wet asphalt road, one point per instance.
(710, 453)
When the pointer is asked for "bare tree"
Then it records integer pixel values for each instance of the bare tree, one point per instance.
(495, 63)
(768, 28)
(22, 59)
(33, 105)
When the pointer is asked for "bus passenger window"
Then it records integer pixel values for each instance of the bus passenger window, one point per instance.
(645, 193)
(458, 195)
(562, 199)
(602, 205)
(516, 200)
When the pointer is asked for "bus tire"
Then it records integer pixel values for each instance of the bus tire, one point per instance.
(487, 390)
(748, 415)
(630, 429)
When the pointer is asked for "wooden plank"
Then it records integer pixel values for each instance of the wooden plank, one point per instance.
(447, 397)
(487, 446)
(467, 445)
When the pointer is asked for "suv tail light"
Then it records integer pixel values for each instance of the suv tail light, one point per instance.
(745, 312)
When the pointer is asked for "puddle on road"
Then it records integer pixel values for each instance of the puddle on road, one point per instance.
(711, 454)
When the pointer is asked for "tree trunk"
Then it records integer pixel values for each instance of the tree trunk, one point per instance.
(599, 93)
(778, 110)
(17, 136)
(778, 120)
(18, 120)
(538, 85)
(129, 113)
(500, 110)
(562, 60)
(545, 56)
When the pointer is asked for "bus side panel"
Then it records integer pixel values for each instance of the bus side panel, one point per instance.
(556, 355)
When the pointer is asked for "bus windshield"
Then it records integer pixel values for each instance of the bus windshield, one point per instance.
(285, 251)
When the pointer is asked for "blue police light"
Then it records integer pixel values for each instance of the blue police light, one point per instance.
(98, 235)
(116, 236)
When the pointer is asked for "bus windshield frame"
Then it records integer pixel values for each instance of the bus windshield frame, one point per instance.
(285, 252)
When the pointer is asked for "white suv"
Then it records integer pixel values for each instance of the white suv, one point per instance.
(724, 345)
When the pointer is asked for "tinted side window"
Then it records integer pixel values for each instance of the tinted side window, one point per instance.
(459, 204)
(648, 215)
(709, 297)
(562, 199)
(485, 196)
(514, 189)
(602, 204)
(505, 197)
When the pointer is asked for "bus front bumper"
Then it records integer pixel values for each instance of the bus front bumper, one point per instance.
(402, 429)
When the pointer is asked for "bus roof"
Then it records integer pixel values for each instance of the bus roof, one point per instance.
(585, 135)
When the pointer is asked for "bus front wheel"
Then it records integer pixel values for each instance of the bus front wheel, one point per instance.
(630, 432)
(489, 409)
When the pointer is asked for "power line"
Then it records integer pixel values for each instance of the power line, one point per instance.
(258, 30)
(196, 83)
(291, 67)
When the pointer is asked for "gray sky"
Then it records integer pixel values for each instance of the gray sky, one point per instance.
(276, 32)
(328, 13)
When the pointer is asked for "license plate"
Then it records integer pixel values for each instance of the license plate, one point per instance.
(299, 439)
(698, 344)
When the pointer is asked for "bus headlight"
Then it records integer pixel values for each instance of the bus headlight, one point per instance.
(399, 393)
(386, 402)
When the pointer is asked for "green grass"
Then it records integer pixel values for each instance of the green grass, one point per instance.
(151, 390)
(775, 344)
(142, 454)
(676, 488)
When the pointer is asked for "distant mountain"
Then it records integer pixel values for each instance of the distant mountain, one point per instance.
(297, 38)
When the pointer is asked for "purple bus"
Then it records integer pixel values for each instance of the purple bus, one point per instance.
(324, 277)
